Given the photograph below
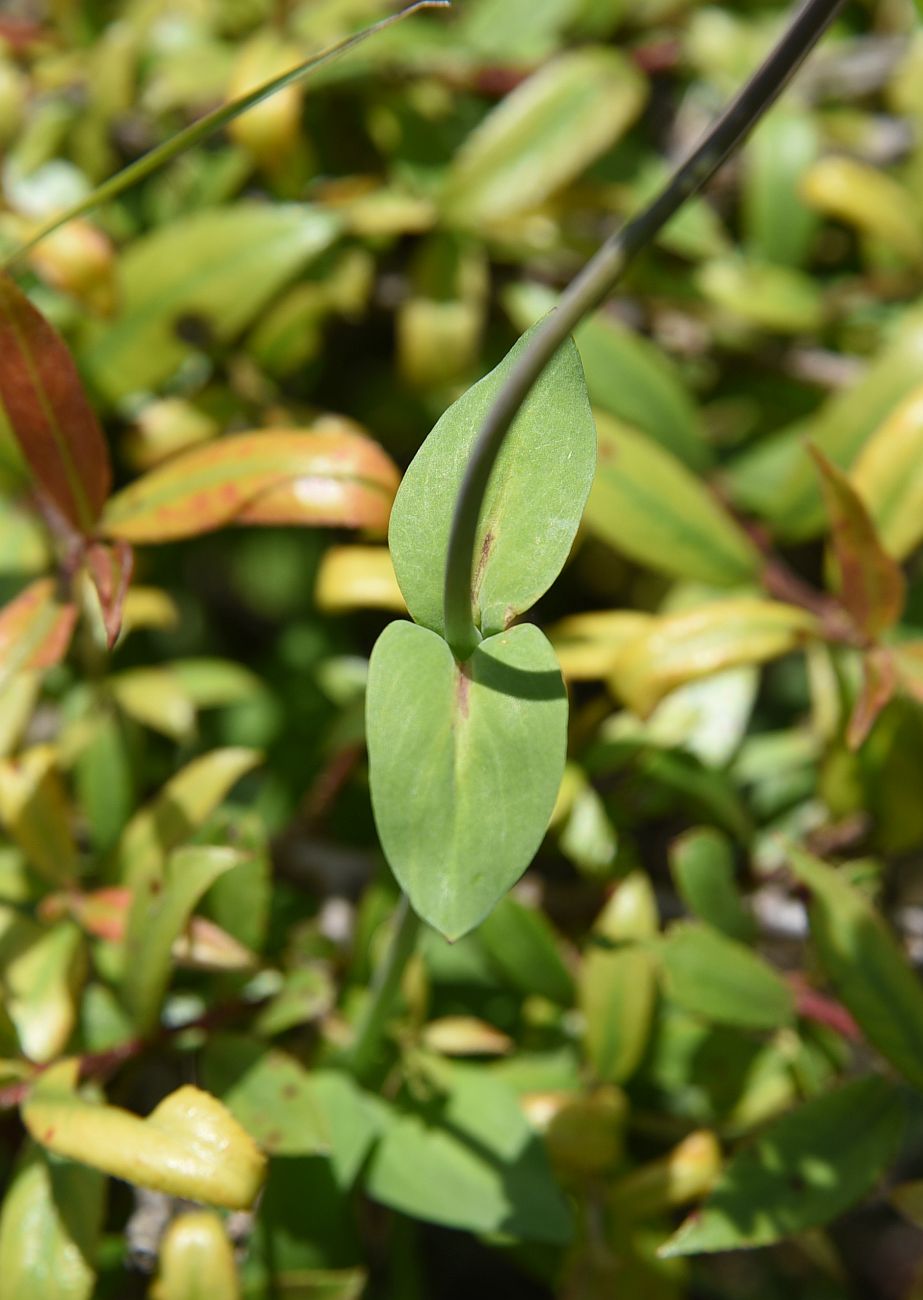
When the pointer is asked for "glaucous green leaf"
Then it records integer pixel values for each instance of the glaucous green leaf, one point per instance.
(215, 269)
(682, 647)
(803, 1170)
(872, 586)
(49, 1229)
(43, 400)
(189, 1146)
(648, 505)
(465, 764)
(723, 980)
(542, 135)
(470, 1160)
(703, 868)
(888, 475)
(267, 1091)
(627, 375)
(867, 969)
(533, 503)
(326, 477)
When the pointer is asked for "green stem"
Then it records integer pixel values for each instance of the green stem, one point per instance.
(385, 989)
(594, 283)
(209, 124)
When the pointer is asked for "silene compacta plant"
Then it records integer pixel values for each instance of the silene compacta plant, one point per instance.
(219, 1074)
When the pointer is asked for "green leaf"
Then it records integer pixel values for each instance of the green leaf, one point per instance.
(872, 586)
(865, 965)
(804, 1170)
(618, 981)
(268, 1092)
(465, 765)
(723, 980)
(49, 1230)
(778, 225)
(325, 477)
(775, 298)
(648, 505)
(627, 375)
(888, 475)
(703, 868)
(777, 479)
(533, 504)
(186, 801)
(470, 1160)
(44, 969)
(523, 948)
(189, 1145)
(542, 135)
(217, 267)
(159, 912)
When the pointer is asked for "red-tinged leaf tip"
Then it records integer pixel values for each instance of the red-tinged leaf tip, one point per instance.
(48, 411)
(872, 583)
(35, 629)
(110, 569)
(880, 681)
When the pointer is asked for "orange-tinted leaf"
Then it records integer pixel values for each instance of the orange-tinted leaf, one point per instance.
(872, 583)
(879, 682)
(48, 411)
(35, 629)
(332, 475)
(110, 569)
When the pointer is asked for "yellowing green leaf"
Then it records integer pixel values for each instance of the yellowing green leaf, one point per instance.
(648, 505)
(43, 972)
(189, 1146)
(888, 475)
(196, 1260)
(357, 577)
(35, 812)
(35, 629)
(542, 135)
(683, 647)
(49, 1230)
(775, 298)
(588, 645)
(865, 197)
(218, 268)
(332, 476)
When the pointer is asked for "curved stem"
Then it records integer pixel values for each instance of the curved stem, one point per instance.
(385, 988)
(594, 283)
(208, 125)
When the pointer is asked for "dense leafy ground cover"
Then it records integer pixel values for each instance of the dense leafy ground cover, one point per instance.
(683, 1057)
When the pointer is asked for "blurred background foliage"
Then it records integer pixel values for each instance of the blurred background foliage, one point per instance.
(351, 255)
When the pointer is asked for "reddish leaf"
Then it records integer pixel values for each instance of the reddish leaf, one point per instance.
(333, 476)
(872, 583)
(879, 682)
(48, 411)
(110, 569)
(35, 629)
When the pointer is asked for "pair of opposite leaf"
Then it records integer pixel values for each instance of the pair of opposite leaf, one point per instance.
(466, 758)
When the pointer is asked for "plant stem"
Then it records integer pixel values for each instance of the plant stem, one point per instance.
(594, 283)
(385, 988)
(208, 125)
